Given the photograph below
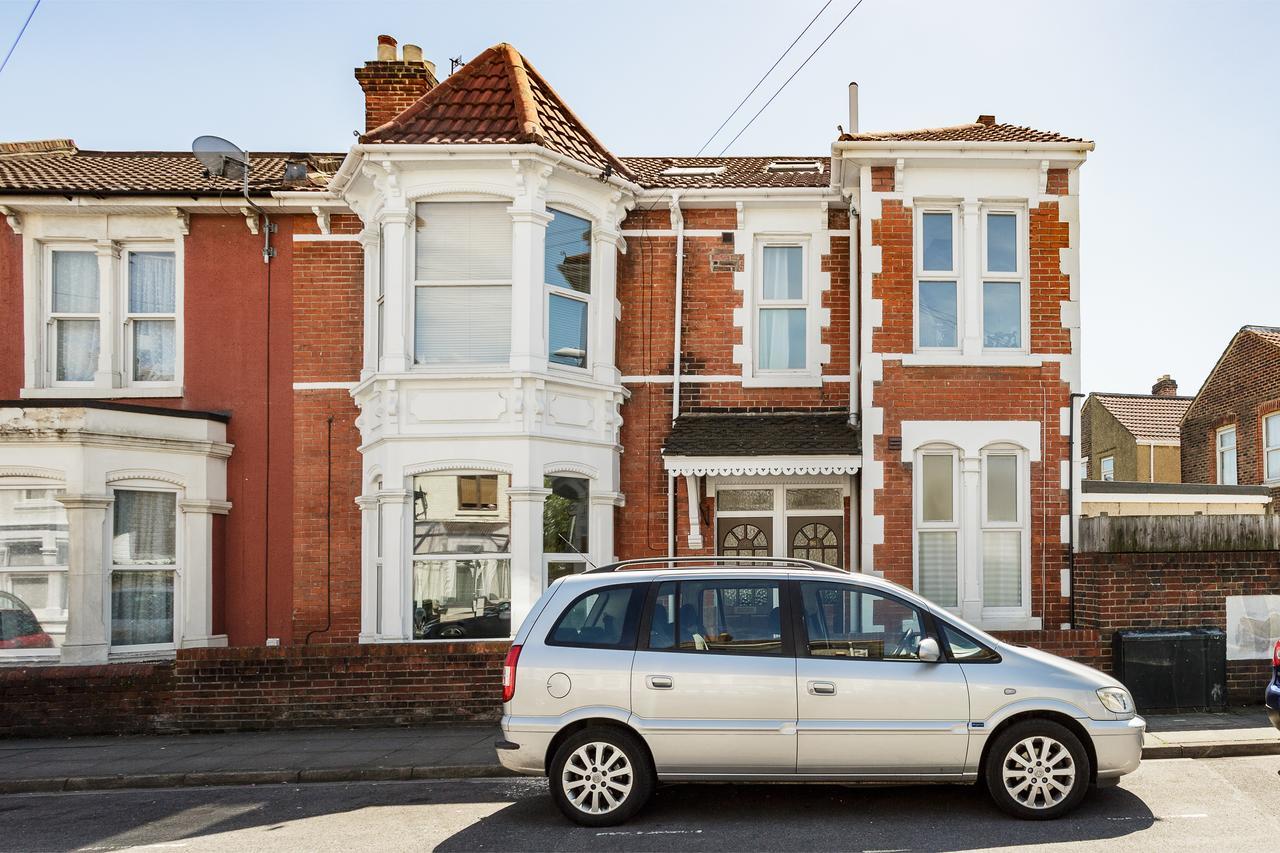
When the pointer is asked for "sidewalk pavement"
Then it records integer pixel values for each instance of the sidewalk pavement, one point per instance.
(431, 752)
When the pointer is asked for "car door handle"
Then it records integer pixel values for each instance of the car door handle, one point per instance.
(660, 682)
(822, 688)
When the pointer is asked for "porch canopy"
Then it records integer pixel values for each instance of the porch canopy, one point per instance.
(762, 444)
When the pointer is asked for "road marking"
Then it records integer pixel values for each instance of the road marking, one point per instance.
(652, 832)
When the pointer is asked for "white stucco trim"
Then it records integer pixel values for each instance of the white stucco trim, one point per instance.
(970, 437)
(738, 466)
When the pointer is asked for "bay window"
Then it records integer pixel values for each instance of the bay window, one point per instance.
(782, 320)
(1226, 455)
(34, 548)
(1271, 447)
(461, 556)
(462, 283)
(565, 526)
(937, 277)
(567, 274)
(1002, 281)
(938, 527)
(144, 550)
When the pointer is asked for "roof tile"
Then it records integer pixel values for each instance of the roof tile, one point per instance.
(985, 130)
(788, 434)
(1147, 417)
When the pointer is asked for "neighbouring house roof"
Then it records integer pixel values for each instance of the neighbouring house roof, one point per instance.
(58, 167)
(729, 172)
(1266, 334)
(985, 129)
(794, 434)
(1120, 487)
(1270, 334)
(1147, 417)
(496, 98)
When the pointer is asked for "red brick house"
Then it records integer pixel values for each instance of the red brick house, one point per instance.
(1231, 430)
(490, 351)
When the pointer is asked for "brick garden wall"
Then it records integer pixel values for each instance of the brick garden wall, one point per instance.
(44, 701)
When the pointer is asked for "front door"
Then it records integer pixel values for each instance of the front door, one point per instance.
(713, 683)
(867, 704)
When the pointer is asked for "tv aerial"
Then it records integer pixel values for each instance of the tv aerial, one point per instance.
(224, 159)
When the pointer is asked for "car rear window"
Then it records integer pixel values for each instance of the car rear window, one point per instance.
(603, 618)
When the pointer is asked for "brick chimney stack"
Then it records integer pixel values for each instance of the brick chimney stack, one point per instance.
(1165, 387)
(392, 83)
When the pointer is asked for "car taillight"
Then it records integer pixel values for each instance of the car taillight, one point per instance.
(1275, 655)
(509, 674)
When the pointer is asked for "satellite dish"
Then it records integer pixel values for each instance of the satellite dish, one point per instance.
(221, 159)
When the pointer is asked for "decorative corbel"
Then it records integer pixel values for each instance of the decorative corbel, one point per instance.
(740, 208)
(677, 215)
(12, 217)
(533, 176)
(250, 219)
(898, 167)
(824, 221)
(322, 219)
(184, 221)
(1044, 176)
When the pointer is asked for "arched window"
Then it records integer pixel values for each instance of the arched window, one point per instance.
(745, 540)
(816, 541)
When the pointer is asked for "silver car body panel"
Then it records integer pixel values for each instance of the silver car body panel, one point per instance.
(729, 717)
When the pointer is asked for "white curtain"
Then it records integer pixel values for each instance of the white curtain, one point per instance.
(782, 339)
(1002, 568)
(153, 350)
(75, 283)
(938, 567)
(783, 272)
(144, 528)
(151, 282)
(77, 350)
(141, 607)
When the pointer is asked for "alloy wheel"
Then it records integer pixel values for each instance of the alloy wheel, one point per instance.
(597, 778)
(1039, 772)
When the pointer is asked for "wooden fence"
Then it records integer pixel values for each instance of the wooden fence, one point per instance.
(1167, 533)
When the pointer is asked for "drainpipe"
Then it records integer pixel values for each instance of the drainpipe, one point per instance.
(677, 222)
(855, 364)
(1071, 515)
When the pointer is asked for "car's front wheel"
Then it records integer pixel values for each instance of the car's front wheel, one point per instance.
(1037, 770)
(600, 777)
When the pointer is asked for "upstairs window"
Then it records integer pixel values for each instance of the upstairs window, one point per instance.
(462, 278)
(937, 274)
(567, 273)
(1003, 281)
(75, 317)
(783, 309)
(150, 322)
(1271, 446)
(1226, 452)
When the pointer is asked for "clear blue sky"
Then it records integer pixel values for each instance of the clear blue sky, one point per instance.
(1179, 96)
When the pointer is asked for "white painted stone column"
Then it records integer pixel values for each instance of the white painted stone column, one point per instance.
(372, 247)
(370, 592)
(397, 278)
(695, 520)
(528, 302)
(970, 261)
(397, 563)
(603, 506)
(196, 628)
(87, 639)
(970, 509)
(526, 549)
(604, 295)
(110, 368)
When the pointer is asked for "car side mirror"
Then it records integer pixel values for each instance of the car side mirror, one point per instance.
(928, 650)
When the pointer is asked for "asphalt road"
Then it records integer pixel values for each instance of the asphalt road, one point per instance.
(1222, 804)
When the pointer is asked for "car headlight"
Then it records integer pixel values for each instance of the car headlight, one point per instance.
(1116, 700)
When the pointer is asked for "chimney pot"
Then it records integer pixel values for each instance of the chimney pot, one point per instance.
(987, 120)
(1165, 387)
(412, 53)
(386, 49)
(853, 107)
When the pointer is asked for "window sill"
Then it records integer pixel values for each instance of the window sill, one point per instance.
(83, 393)
(1011, 623)
(955, 359)
(782, 380)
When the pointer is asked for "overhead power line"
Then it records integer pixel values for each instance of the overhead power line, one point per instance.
(792, 77)
(763, 78)
(14, 46)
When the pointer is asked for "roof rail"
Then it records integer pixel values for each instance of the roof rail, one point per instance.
(718, 562)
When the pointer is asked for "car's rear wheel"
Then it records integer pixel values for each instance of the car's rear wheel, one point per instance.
(600, 777)
(1037, 770)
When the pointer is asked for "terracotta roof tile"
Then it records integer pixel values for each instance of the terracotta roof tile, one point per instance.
(496, 98)
(1147, 417)
(986, 129)
(736, 172)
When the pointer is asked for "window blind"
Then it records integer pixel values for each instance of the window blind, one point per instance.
(463, 241)
(938, 564)
(1002, 568)
(464, 324)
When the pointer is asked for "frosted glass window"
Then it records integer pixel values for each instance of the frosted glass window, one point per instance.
(938, 564)
(937, 242)
(783, 272)
(814, 499)
(1002, 568)
(782, 338)
(567, 260)
(463, 241)
(1002, 315)
(939, 323)
(744, 500)
(1002, 487)
(937, 473)
(464, 324)
(567, 330)
(1002, 242)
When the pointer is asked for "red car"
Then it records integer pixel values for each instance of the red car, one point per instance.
(19, 627)
(1271, 699)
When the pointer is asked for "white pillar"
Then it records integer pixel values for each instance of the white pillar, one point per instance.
(370, 558)
(372, 247)
(109, 370)
(196, 626)
(970, 306)
(526, 549)
(87, 639)
(970, 509)
(604, 295)
(397, 561)
(603, 548)
(528, 304)
(695, 520)
(397, 355)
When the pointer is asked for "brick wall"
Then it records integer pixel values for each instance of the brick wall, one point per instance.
(45, 701)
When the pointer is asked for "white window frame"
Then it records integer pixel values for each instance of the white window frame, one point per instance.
(1107, 472)
(115, 337)
(588, 299)
(62, 574)
(411, 309)
(1269, 475)
(956, 524)
(779, 514)
(179, 544)
(955, 275)
(583, 559)
(1022, 525)
(1219, 451)
(803, 303)
(1020, 277)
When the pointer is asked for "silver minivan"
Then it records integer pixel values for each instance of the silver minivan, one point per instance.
(781, 670)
